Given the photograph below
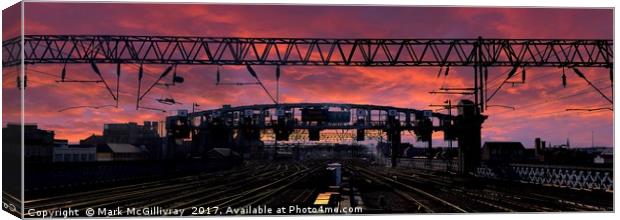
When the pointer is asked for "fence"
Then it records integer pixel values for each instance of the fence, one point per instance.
(423, 163)
(560, 176)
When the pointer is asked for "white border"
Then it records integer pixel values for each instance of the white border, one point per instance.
(484, 3)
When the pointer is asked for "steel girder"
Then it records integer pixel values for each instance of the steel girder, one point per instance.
(307, 51)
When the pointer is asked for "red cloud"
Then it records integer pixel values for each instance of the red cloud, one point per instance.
(403, 87)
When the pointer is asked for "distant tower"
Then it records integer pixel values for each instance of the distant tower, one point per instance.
(567, 143)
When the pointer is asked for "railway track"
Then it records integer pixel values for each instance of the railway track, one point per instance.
(234, 188)
(129, 194)
(232, 192)
(272, 182)
(260, 194)
(426, 202)
(522, 200)
(229, 184)
(483, 197)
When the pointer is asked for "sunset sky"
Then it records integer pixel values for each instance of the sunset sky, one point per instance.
(540, 103)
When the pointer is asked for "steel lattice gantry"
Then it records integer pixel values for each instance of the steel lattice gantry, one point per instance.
(479, 53)
(307, 51)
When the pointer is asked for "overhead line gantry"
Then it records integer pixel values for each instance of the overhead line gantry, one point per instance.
(479, 53)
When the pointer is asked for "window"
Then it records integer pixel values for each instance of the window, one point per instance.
(58, 157)
(83, 157)
(76, 157)
(67, 157)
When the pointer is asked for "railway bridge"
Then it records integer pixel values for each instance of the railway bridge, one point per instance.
(240, 126)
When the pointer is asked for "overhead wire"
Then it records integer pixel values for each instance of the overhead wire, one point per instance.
(498, 77)
(58, 84)
(579, 92)
(533, 79)
(534, 115)
(134, 65)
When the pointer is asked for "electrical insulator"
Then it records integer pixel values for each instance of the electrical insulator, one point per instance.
(564, 80)
(218, 75)
(278, 72)
(174, 74)
(486, 73)
(512, 72)
(19, 82)
(523, 74)
(447, 69)
(440, 70)
(175, 78)
(165, 73)
(63, 74)
(178, 79)
(252, 72)
(95, 68)
(118, 69)
(140, 73)
(579, 73)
